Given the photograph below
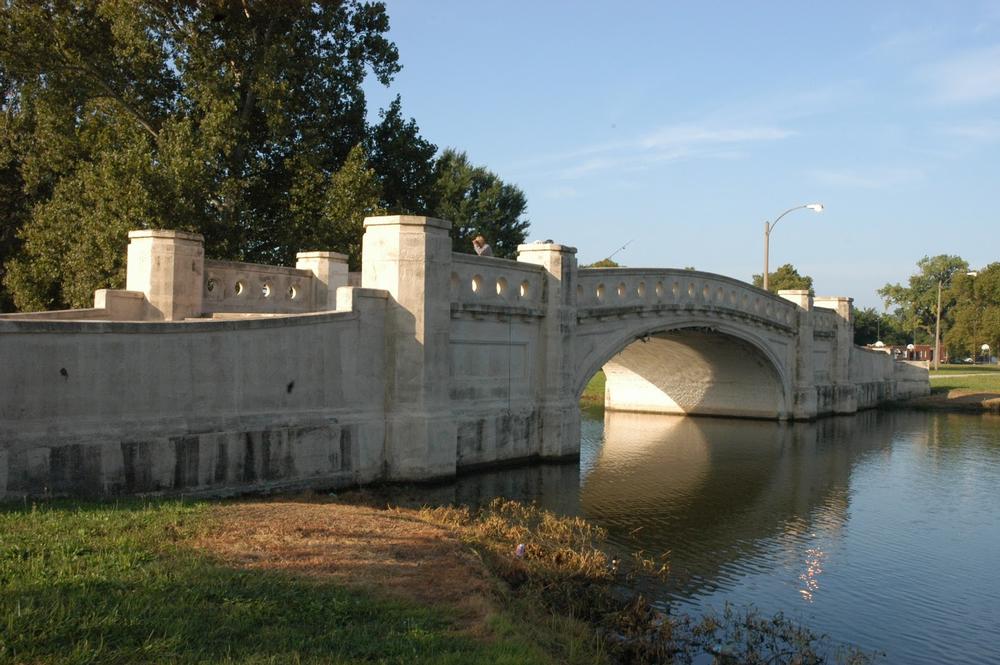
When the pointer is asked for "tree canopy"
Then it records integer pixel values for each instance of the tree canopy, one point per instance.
(916, 303)
(784, 278)
(973, 319)
(242, 120)
(476, 202)
(872, 326)
(604, 263)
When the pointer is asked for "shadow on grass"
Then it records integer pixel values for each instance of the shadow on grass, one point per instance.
(94, 583)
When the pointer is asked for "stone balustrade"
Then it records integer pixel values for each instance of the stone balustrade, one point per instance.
(605, 290)
(490, 284)
(230, 286)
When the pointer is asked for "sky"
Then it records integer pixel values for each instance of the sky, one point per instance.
(681, 127)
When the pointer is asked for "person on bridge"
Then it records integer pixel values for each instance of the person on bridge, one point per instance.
(481, 247)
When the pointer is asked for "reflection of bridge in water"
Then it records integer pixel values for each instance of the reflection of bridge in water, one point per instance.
(718, 493)
(721, 495)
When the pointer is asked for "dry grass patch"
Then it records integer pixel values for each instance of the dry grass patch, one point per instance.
(385, 551)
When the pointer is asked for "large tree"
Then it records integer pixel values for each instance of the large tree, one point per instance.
(403, 161)
(872, 326)
(203, 116)
(916, 303)
(476, 201)
(785, 277)
(974, 316)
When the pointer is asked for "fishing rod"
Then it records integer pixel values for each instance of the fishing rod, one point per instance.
(619, 249)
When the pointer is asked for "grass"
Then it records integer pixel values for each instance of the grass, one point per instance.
(594, 392)
(120, 584)
(966, 378)
(135, 583)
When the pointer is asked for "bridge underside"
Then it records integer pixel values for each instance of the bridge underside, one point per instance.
(694, 372)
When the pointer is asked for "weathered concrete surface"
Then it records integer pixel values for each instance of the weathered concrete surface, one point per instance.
(214, 377)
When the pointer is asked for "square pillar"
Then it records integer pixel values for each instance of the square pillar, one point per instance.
(330, 271)
(804, 400)
(845, 398)
(168, 267)
(560, 435)
(410, 257)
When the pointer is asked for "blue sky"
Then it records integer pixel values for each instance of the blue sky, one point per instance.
(685, 125)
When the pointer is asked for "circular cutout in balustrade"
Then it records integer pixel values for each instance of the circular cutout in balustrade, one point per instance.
(501, 286)
(477, 283)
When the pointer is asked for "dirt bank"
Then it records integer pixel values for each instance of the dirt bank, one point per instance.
(959, 400)
(386, 551)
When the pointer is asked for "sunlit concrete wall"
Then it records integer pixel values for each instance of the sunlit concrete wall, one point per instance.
(94, 408)
(212, 377)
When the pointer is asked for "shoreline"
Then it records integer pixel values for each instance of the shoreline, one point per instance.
(955, 400)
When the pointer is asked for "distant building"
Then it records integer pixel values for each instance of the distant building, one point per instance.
(909, 351)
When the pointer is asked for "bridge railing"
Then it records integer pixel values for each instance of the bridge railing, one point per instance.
(230, 286)
(492, 282)
(616, 288)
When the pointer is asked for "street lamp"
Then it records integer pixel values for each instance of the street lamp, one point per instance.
(986, 353)
(769, 226)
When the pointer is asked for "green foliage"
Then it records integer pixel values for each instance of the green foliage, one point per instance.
(338, 205)
(120, 584)
(785, 277)
(973, 316)
(916, 302)
(210, 117)
(476, 202)
(404, 162)
(871, 326)
(604, 263)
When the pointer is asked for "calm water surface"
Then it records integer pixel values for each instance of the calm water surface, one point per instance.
(881, 529)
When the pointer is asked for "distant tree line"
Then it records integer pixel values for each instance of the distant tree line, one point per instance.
(970, 308)
(242, 120)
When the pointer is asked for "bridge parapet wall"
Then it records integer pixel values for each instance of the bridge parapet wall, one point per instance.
(491, 284)
(107, 407)
(230, 286)
(605, 290)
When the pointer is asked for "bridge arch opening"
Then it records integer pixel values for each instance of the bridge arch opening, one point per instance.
(694, 371)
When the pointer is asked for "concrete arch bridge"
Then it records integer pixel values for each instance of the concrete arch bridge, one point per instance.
(207, 376)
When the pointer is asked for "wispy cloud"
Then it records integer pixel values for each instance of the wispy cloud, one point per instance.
(561, 193)
(664, 144)
(688, 135)
(983, 132)
(867, 179)
(972, 76)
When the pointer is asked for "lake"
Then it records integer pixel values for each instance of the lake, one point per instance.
(880, 529)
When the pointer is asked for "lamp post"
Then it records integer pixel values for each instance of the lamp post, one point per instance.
(769, 226)
(937, 331)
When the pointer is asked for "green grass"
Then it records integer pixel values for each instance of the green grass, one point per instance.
(118, 584)
(977, 378)
(594, 392)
